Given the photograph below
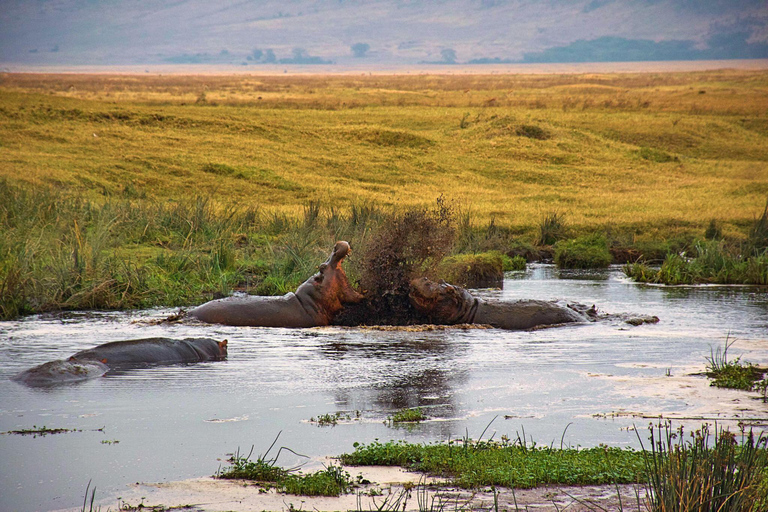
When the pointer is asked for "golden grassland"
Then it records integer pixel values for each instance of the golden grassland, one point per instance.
(651, 154)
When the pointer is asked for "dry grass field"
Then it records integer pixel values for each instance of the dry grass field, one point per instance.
(652, 153)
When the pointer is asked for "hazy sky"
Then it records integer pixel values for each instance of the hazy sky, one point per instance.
(385, 31)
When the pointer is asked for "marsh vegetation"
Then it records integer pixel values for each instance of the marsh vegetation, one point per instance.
(134, 191)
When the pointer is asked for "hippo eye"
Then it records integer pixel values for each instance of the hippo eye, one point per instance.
(319, 278)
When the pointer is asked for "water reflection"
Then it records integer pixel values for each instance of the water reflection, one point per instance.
(411, 369)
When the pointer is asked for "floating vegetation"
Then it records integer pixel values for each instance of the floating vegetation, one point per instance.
(332, 419)
(412, 415)
(43, 431)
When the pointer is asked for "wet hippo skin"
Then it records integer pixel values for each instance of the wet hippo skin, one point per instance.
(444, 303)
(315, 302)
(95, 362)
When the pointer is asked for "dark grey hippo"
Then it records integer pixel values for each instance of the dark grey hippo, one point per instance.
(95, 362)
(315, 302)
(444, 303)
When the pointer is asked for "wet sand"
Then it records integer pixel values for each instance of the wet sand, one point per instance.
(390, 484)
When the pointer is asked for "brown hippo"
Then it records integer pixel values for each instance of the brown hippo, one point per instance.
(315, 302)
(443, 303)
(95, 362)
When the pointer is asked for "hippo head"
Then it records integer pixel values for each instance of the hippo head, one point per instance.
(443, 303)
(327, 290)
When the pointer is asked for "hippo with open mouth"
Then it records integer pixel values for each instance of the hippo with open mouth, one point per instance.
(315, 302)
(95, 362)
(444, 303)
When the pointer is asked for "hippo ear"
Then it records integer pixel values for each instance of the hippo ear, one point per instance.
(222, 346)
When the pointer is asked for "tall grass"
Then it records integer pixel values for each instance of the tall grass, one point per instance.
(701, 473)
(713, 262)
(73, 253)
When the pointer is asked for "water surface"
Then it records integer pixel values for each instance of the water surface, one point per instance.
(176, 422)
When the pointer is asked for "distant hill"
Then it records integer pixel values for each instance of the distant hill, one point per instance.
(378, 32)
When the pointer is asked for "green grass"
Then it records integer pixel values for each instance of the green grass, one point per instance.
(411, 415)
(589, 251)
(713, 262)
(733, 374)
(478, 464)
(484, 270)
(331, 481)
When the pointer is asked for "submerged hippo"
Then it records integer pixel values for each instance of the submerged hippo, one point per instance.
(315, 302)
(443, 303)
(95, 362)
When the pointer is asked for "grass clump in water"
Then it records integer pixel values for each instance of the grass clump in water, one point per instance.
(589, 251)
(408, 416)
(713, 263)
(733, 374)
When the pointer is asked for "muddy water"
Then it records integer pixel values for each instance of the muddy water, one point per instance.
(170, 423)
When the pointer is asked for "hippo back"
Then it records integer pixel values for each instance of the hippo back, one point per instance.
(154, 350)
(525, 314)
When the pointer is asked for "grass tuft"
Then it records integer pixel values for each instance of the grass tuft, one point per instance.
(732, 374)
(412, 415)
(698, 473)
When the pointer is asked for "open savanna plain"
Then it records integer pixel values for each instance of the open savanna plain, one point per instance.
(134, 190)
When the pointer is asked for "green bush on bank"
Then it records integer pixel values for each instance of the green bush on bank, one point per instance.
(713, 263)
(484, 270)
(589, 251)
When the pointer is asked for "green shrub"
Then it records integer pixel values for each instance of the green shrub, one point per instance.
(408, 415)
(517, 263)
(584, 252)
(473, 270)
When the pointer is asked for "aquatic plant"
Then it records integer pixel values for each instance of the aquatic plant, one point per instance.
(331, 481)
(713, 262)
(414, 414)
(733, 374)
(696, 473)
